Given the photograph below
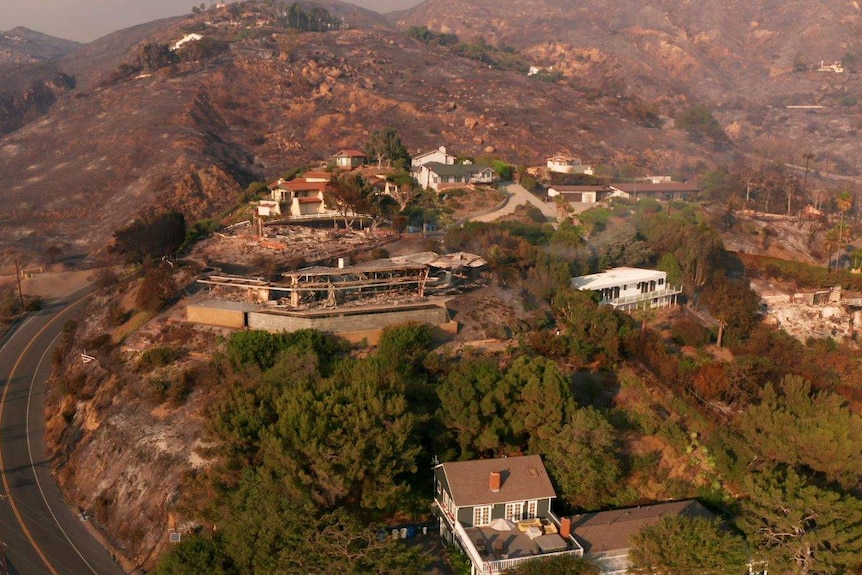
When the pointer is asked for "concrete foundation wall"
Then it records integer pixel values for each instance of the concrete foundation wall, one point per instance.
(213, 316)
(275, 322)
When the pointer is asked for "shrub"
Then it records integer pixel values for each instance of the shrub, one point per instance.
(156, 357)
(688, 331)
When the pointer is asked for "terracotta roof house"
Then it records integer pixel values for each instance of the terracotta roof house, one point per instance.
(295, 198)
(499, 512)
(630, 288)
(605, 536)
(349, 159)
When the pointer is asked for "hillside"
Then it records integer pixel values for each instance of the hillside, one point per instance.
(24, 46)
(192, 135)
(741, 59)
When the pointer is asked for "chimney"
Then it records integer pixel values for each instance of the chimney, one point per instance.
(565, 527)
(494, 481)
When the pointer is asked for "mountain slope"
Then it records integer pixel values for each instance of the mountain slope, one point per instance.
(24, 46)
(192, 135)
(740, 59)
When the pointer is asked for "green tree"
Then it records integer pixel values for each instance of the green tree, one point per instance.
(543, 403)
(802, 528)
(474, 407)
(582, 459)
(266, 528)
(701, 125)
(385, 144)
(194, 555)
(668, 263)
(348, 439)
(153, 56)
(350, 194)
(680, 545)
(794, 425)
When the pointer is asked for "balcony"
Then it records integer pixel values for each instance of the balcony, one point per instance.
(492, 552)
(634, 301)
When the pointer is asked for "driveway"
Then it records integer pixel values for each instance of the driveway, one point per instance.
(518, 196)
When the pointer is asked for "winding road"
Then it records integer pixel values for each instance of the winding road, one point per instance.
(40, 534)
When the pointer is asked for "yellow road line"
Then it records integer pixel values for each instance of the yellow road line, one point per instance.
(9, 497)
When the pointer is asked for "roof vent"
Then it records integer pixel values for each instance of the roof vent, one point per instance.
(495, 481)
(533, 472)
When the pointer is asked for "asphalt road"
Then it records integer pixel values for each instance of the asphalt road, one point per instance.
(40, 533)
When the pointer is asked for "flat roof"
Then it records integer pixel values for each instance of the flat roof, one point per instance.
(649, 187)
(615, 277)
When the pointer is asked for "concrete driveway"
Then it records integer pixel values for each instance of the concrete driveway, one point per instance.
(518, 196)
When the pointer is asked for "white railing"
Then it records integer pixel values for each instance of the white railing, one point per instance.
(468, 546)
(484, 567)
(669, 291)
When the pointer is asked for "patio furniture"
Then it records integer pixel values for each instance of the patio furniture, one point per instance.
(550, 543)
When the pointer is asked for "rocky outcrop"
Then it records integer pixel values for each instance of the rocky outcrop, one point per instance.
(22, 106)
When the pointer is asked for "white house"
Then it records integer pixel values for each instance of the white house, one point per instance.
(439, 155)
(438, 176)
(568, 165)
(185, 39)
(630, 288)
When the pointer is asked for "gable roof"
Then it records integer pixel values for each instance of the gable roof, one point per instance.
(455, 169)
(440, 150)
(612, 530)
(522, 478)
(350, 153)
(301, 185)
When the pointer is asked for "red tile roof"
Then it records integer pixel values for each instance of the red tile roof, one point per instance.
(300, 185)
(351, 153)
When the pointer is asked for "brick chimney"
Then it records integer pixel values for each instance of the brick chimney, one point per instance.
(495, 481)
(565, 527)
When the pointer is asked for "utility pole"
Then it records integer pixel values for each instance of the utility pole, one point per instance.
(18, 277)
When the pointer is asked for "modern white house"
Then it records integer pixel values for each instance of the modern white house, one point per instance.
(439, 155)
(630, 288)
(568, 165)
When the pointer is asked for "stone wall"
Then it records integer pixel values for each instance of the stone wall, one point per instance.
(347, 321)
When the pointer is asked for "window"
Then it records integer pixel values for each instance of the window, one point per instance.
(514, 511)
(439, 486)
(532, 509)
(481, 516)
(661, 281)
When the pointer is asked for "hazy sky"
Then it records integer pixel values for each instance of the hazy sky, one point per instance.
(85, 20)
